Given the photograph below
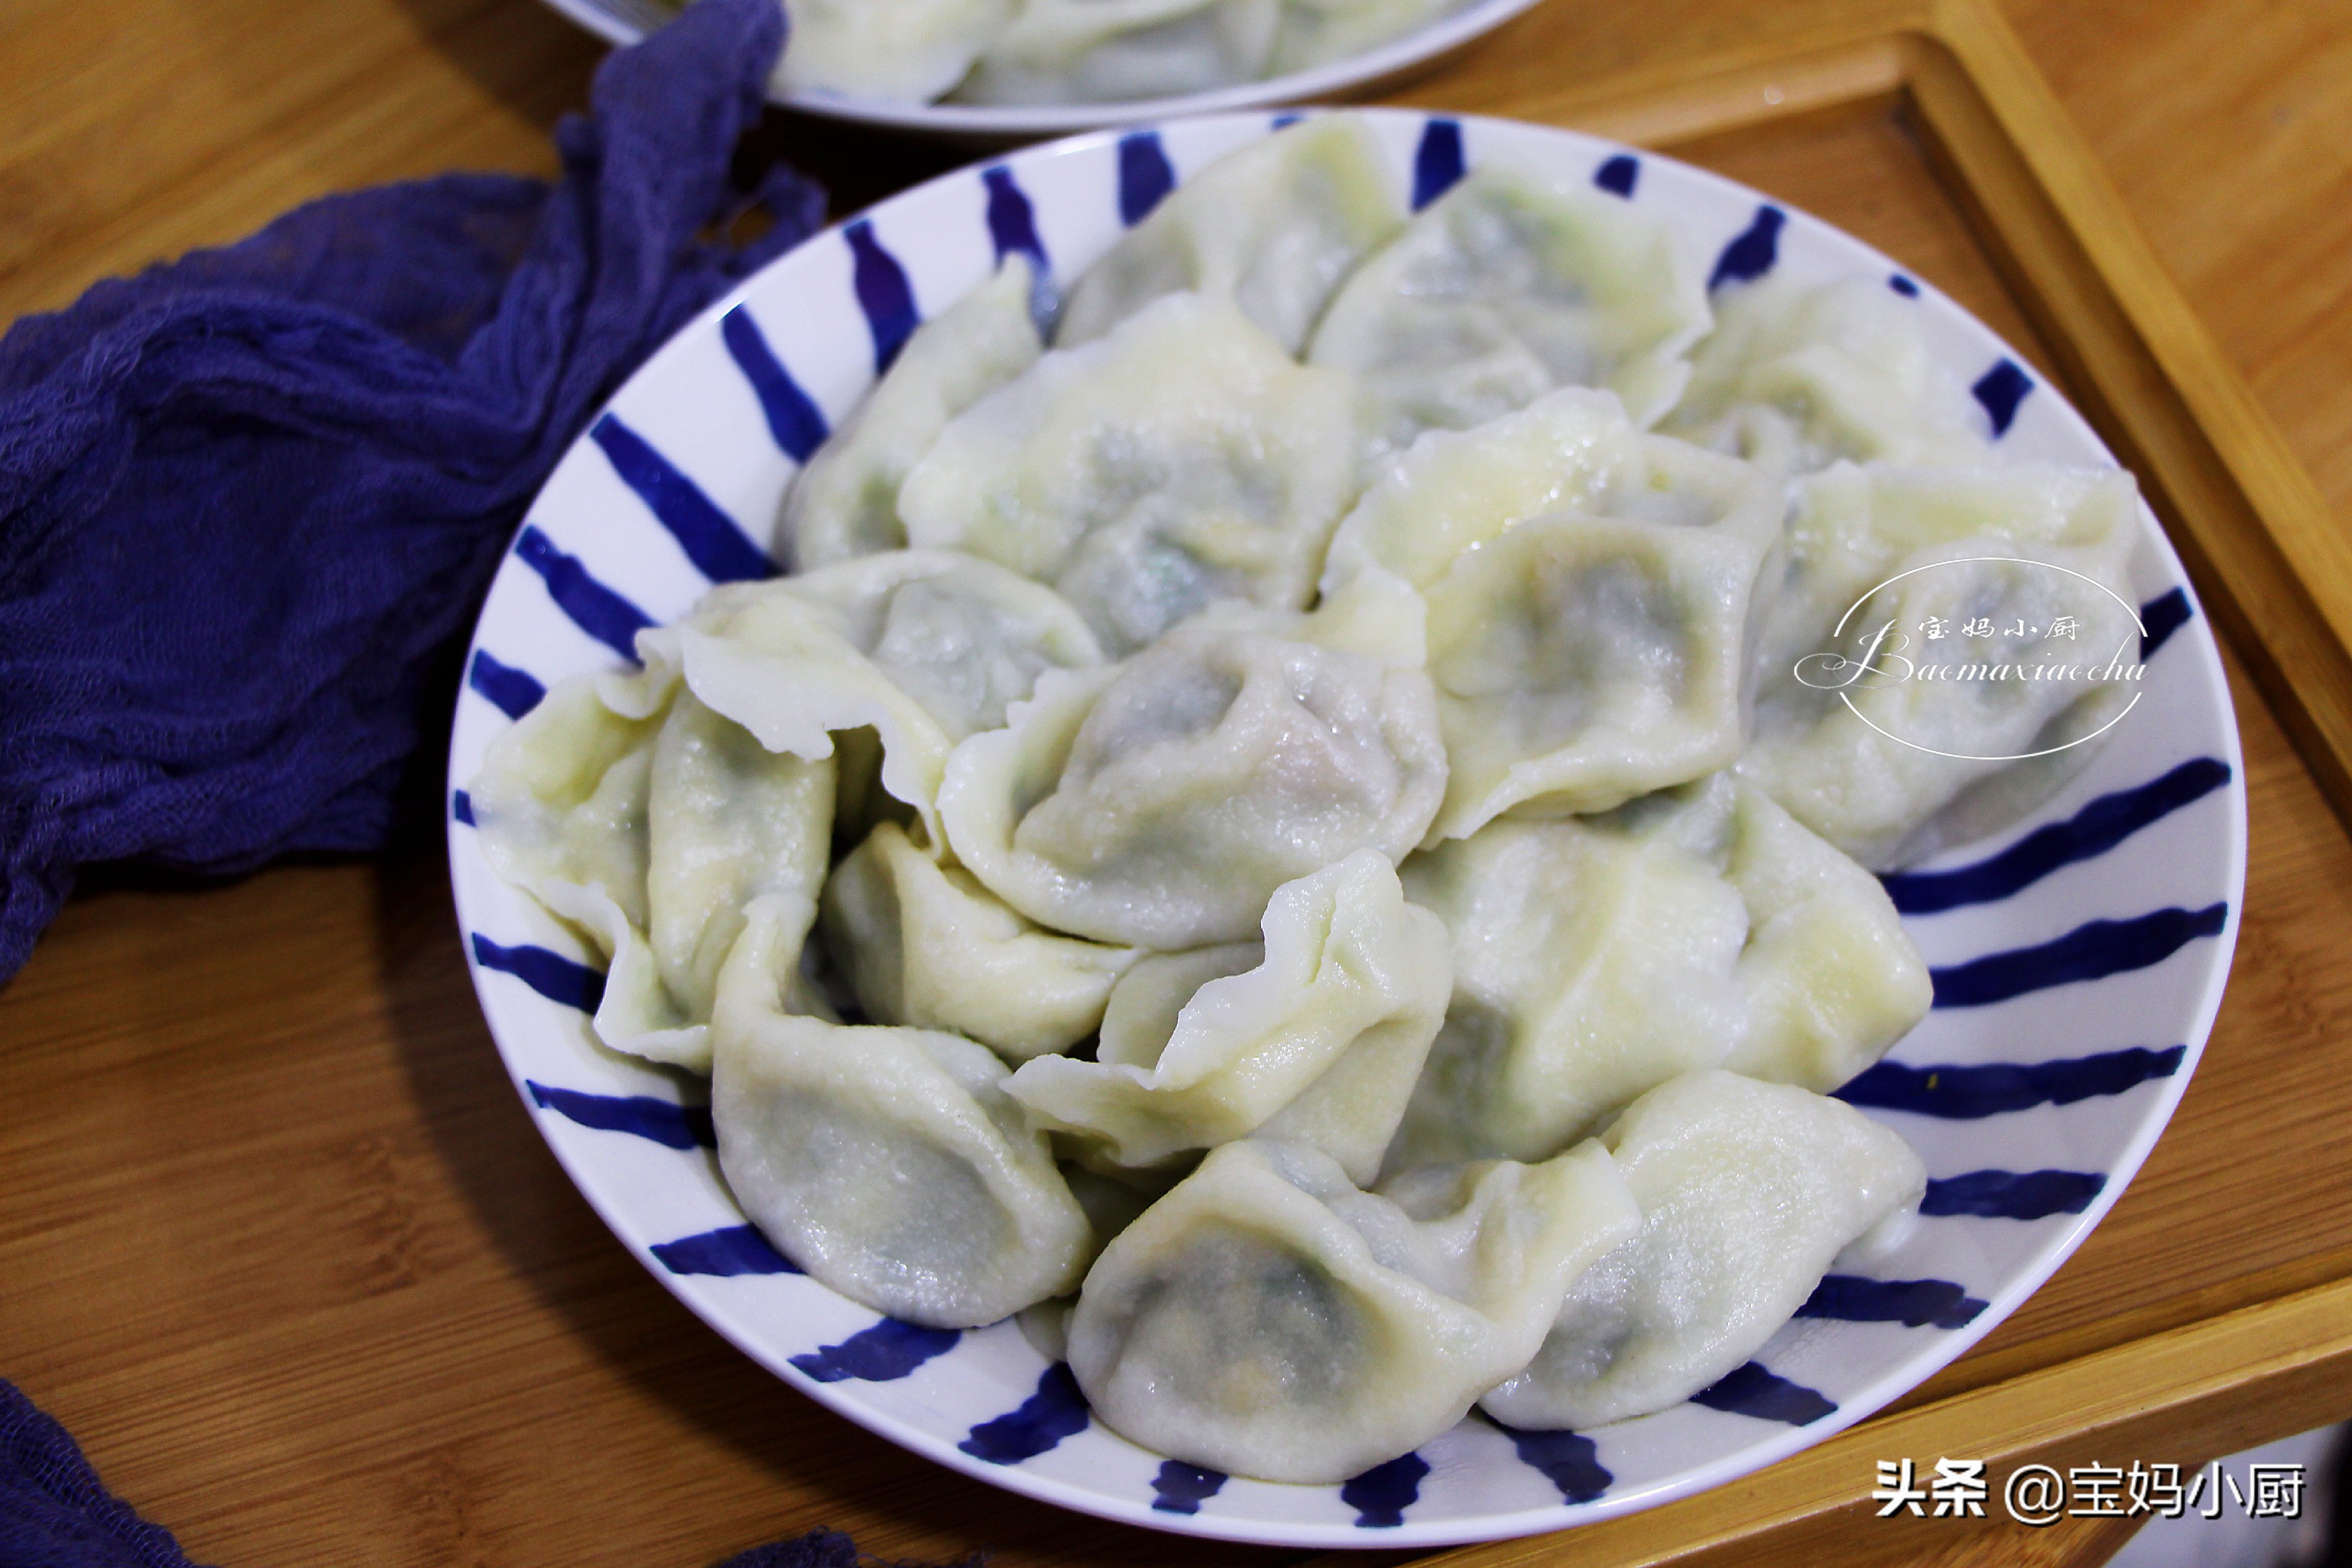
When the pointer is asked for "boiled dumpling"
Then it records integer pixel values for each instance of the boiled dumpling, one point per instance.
(1274, 228)
(1182, 459)
(923, 943)
(887, 1162)
(845, 502)
(1798, 376)
(1828, 979)
(1118, 51)
(1857, 525)
(1598, 957)
(629, 809)
(1748, 1191)
(1570, 451)
(1315, 1034)
(921, 648)
(964, 640)
(1976, 572)
(1160, 803)
(1267, 1319)
(1592, 962)
(1579, 662)
(1075, 51)
(1594, 652)
(1505, 288)
(1320, 32)
(901, 51)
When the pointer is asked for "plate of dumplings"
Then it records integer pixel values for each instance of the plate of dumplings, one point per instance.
(1364, 830)
(994, 71)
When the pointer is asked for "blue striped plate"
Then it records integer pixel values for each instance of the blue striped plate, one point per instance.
(2079, 958)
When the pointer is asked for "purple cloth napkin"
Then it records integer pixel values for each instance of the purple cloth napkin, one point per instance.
(53, 1512)
(249, 500)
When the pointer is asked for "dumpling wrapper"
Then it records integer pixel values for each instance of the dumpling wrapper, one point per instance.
(1595, 958)
(636, 815)
(1798, 377)
(845, 502)
(1272, 228)
(1160, 803)
(1267, 1319)
(924, 944)
(1505, 288)
(1911, 764)
(887, 1162)
(1120, 51)
(899, 52)
(1828, 980)
(1569, 450)
(1323, 32)
(1581, 661)
(1748, 1192)
(1590, 966)
(922, 647)
(1314, 1034)
(1590, 591)
(1182, 459)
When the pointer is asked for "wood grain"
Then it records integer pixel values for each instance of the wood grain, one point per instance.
(281, 1246)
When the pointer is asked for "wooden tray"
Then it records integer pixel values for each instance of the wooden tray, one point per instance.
(281, 1246)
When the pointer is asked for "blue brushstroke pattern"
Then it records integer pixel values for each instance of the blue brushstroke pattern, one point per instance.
(593, 608)
(1767, 1396)
(461, 806)
(553, 976)
(2160, 617)
(1182, 1488)
(883, 1354)
(1285, 121)
(1011, 222)
(513, 692)
(1752, 252)
(713, 540)
(1914, 1303)
(2090, 951)
(796, 423)
(1057, 1410)
(2011, 1194)
(1619, 174)
(736, 1249)
(2098, 827)
(1145, 175)
(883, 293)
(1569, 1460)
(1902, 285)
(1968, 1093)
(1381, 1494)
(1438, 164)
(665, 1121)
(2000, 390)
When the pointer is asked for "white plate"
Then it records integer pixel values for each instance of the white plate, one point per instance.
(2112, 915)
(1390, 65)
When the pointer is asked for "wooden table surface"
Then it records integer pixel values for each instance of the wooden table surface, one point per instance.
(278, 1243)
